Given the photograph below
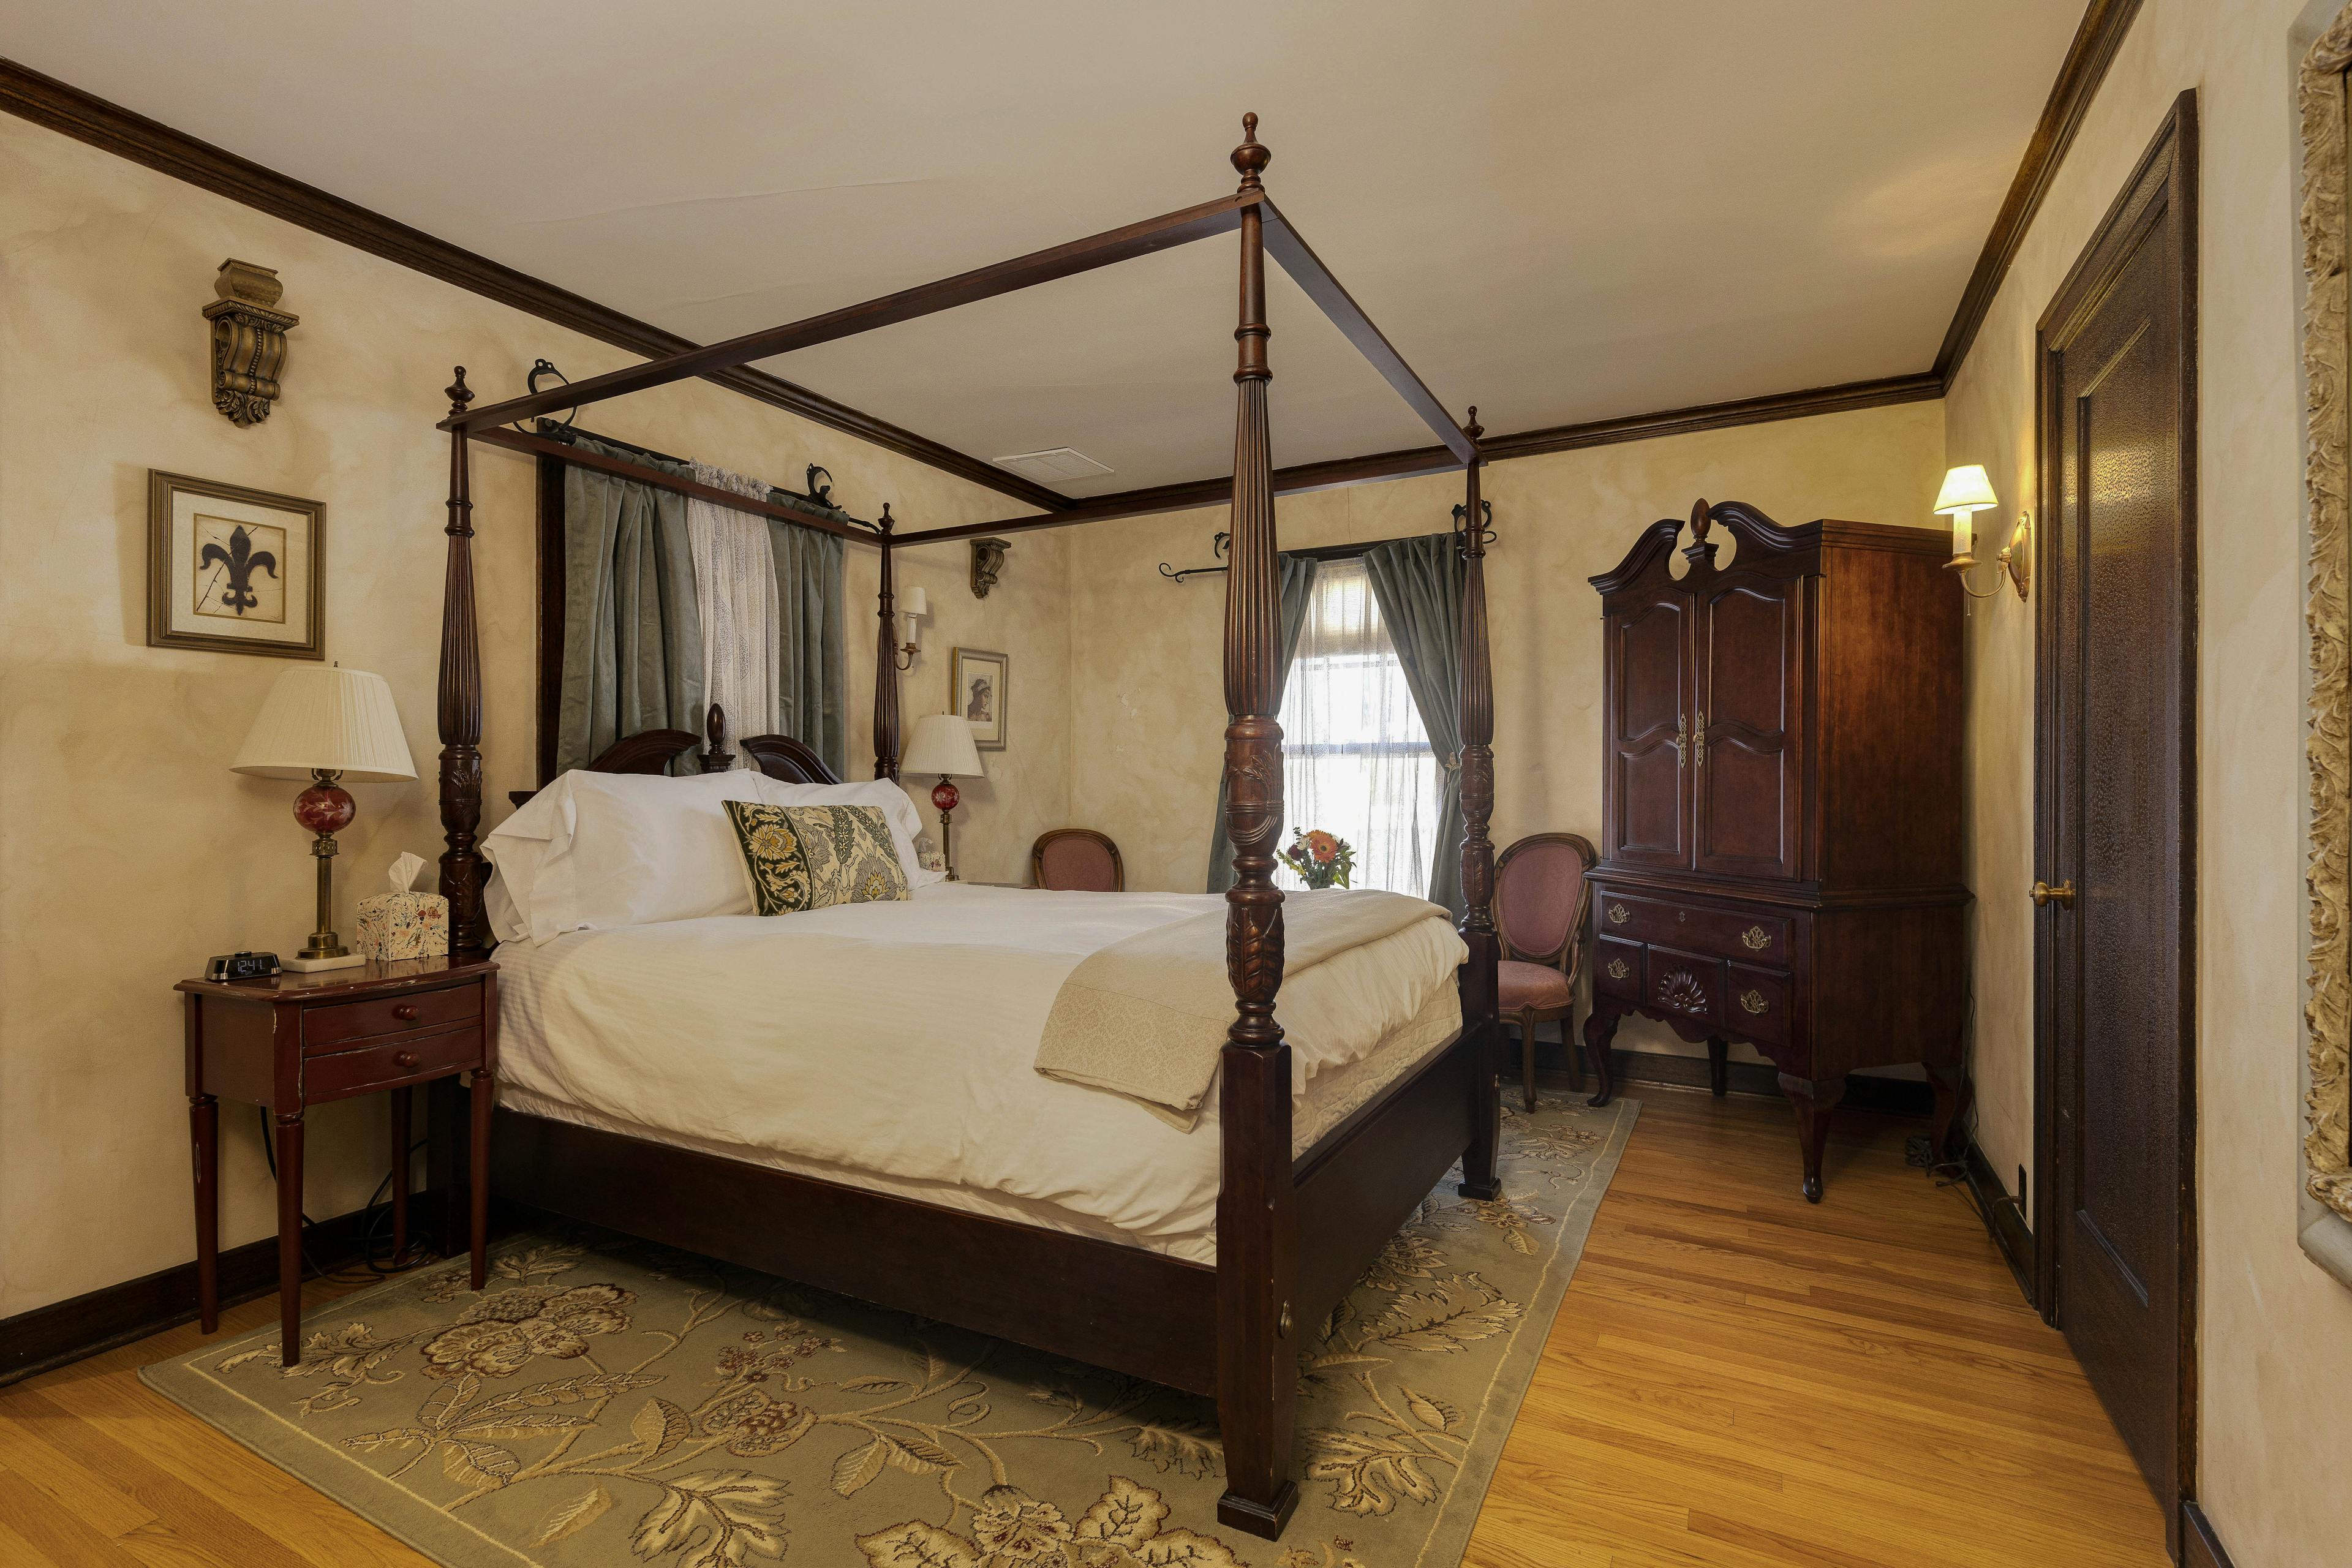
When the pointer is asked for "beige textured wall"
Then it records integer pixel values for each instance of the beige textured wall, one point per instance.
(128, 851)
(1148, 696)
(2277, 1333)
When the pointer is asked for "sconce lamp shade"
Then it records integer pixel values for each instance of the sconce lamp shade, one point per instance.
(915, 602)
(942, 745)
(1965, 489)
(328, 720)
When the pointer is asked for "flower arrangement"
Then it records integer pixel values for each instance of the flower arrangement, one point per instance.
(1323, 861)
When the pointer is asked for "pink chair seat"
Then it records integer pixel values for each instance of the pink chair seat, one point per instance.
(1531, 985)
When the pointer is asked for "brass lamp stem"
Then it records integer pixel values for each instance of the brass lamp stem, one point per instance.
(947, 845)
(324, 943)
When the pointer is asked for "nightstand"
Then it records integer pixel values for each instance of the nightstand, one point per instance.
(293, 1041)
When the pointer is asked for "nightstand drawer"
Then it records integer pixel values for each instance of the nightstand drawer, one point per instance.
(332, 1028)
(403, 1058)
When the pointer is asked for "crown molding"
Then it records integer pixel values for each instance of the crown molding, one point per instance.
(47, 102)
(2101, 34)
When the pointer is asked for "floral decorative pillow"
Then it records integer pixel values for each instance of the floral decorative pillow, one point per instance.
(813, 856)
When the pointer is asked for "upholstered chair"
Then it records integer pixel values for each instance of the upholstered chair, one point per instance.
(1076, 861)
(1541, 900)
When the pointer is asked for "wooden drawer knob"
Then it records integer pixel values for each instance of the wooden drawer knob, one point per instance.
(405, 1012)
(404, 1060)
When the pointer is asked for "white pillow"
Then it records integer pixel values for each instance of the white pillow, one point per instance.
(897, 810)
(593, 851)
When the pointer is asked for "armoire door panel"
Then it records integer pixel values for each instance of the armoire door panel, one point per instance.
(1649, 701)
(1746, 821)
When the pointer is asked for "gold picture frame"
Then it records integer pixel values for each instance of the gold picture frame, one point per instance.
(234, 570)
(979, 687)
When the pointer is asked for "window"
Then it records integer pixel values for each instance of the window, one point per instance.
(1356, 760)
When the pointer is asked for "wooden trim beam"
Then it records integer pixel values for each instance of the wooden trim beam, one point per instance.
(1199, 493)
(1286, 245)
(2105, 23)
(521, 441)
(1113, 246)
(70, 112)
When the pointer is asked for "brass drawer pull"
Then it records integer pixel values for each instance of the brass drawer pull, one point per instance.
(1616, 969)
(1755, 939)
(1617, 915)
(1753, 1001)
(405, 1060)
(405, 1013)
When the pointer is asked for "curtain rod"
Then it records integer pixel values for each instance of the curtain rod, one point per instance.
(506, 435)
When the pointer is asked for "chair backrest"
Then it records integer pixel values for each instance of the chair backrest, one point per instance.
(1076, 861)
(1540, 893)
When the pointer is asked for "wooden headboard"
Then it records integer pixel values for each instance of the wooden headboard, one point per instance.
(653, 751)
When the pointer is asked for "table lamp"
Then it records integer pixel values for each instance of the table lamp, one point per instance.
(942, 745)
(327, 725)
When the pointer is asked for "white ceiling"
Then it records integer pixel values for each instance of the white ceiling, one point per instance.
(1560, 212)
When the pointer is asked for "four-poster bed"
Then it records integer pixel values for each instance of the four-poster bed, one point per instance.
(1294, 1228)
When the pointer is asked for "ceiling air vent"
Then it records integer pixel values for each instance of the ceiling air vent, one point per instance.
(1057, 465)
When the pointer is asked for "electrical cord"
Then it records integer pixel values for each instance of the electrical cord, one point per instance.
(375, 1218)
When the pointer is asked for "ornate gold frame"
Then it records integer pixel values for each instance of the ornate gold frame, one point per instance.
(2327, 359)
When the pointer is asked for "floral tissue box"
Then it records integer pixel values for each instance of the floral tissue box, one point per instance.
(403, 925)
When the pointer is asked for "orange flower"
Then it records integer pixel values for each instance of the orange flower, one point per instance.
(1323, 848)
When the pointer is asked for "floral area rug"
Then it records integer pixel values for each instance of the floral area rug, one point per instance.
(609, 1402)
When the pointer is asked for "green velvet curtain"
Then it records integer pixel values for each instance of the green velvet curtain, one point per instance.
(632, 635)
(1297, 576)
(812, 683)
(1418, 582)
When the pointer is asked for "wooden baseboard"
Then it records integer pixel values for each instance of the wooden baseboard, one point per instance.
(115, 1315)
(2200, 1547)
(2004, 1218)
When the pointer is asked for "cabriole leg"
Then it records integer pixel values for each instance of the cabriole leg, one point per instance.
(1814, 1099)
(1599, 1030)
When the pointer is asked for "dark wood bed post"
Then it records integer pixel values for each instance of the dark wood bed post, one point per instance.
(1479, 971)
(460, 707)
(885, 668)
(1257, 1375)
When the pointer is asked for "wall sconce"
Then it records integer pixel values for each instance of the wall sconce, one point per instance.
(1966, 491)
(914, 605)
(248, 340)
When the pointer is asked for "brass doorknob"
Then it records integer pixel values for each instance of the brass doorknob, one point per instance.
(2063, 894)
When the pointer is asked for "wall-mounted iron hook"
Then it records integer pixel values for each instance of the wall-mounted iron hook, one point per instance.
(1217, 547)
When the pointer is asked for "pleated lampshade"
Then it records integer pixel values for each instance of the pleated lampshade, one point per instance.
(328, 717)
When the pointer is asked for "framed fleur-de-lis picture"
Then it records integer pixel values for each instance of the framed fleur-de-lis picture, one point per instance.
(233, 570)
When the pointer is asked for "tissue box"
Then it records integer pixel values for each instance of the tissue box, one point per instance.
(403, 925)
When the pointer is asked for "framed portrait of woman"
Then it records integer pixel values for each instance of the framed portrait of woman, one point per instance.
(976, 691)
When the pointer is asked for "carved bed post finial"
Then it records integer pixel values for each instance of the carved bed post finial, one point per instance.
(716, 757)
(459, 710)
(1257, 1206)
(886, 667)
(1250, 157)
(1480, 970)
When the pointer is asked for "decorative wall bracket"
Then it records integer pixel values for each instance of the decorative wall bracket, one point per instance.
(987, 564)
(248, 340)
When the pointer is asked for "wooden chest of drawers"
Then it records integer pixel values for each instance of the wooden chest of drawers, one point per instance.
(1779, 858)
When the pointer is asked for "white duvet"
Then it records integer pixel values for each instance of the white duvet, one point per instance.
(893, 1044)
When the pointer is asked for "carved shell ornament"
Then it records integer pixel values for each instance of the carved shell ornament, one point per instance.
(1681, 991)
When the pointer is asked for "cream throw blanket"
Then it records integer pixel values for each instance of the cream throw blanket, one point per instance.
(1145, 1017)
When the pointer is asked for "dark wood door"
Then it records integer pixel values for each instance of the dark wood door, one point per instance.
(1649, 697)
(2115, 823)
(1745, 784)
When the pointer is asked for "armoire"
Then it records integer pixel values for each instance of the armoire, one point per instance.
(1780, 855)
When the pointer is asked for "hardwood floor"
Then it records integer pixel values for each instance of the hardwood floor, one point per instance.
(1736, 1378)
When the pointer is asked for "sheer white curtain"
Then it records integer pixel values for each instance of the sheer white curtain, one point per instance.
(735, 584)
(1356, 761)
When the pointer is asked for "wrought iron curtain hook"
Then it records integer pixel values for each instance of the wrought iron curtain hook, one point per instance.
(1222, 542)
(539, 367)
